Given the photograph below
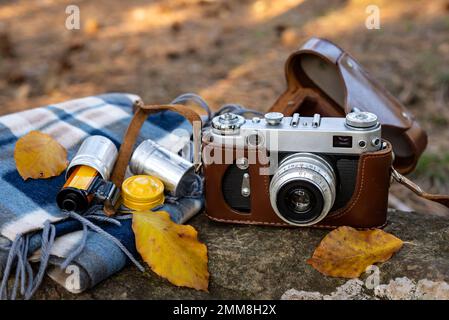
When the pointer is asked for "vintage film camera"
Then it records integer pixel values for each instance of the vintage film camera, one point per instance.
(297, 171)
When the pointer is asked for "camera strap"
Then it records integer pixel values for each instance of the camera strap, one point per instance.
(439, 198)
(140, 116)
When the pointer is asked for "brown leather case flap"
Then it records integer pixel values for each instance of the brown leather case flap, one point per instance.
(336, 84)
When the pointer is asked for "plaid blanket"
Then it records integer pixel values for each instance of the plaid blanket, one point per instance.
(27, 207)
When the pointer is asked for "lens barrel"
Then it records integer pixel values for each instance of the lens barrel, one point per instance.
(302, 191)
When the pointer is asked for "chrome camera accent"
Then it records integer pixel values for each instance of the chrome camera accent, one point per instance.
(359, 132)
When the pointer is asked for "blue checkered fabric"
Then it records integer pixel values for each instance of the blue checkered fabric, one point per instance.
(26, 205)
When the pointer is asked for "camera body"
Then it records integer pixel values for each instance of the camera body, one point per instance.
(297, 171)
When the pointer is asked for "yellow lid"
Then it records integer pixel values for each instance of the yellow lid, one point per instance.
(142, 192)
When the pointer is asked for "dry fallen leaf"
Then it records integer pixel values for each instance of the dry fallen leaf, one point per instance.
(39, 156)
(171, 250)
(346, 252)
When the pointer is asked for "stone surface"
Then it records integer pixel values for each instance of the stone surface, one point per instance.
(264, 262)
(406, 289)
(353, 289)
(397, 289)
(294, 294)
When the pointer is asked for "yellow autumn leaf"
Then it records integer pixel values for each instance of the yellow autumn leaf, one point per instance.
(39, 156)
(171, 250)
(346, 252)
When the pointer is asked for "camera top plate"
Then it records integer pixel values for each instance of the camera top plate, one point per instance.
(358, 133)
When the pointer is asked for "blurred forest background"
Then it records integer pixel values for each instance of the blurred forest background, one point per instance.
(226, 51)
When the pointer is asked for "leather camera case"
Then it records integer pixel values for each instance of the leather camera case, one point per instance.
(323, 78)
(371, 187)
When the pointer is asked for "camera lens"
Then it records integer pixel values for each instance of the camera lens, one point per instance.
(302, 191)
(299, 200)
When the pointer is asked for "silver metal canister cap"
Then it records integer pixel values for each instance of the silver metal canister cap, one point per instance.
(97, 152)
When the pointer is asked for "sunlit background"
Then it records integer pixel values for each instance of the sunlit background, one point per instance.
(227, 51)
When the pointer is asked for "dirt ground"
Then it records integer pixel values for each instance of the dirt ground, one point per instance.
(227, 51)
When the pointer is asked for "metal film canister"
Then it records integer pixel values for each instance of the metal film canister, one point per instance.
(175, 172)
(88, 170)
(87, 173)
(97, 152)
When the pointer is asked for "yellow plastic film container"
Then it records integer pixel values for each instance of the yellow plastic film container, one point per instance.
(142, 192)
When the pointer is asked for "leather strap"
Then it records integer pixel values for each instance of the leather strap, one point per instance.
(141, 114)
(439, 198)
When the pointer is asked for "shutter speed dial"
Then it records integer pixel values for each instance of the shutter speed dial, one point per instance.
(361, 120)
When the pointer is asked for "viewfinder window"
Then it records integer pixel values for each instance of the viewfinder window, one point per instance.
(342, 141)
